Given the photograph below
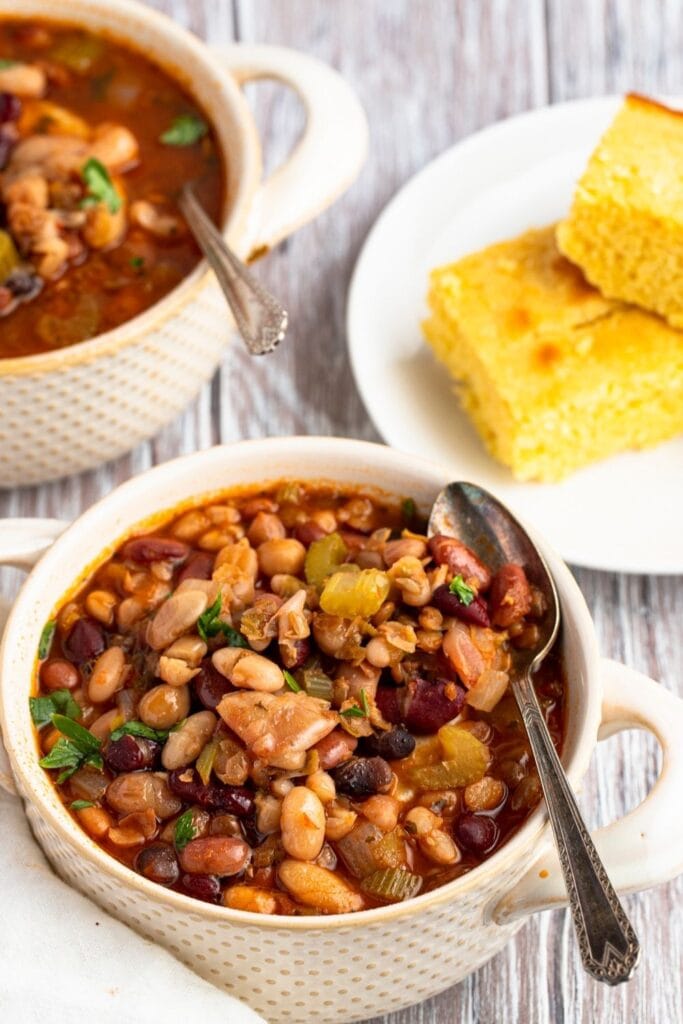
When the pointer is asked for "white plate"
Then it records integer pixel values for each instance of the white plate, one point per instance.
(621, 514)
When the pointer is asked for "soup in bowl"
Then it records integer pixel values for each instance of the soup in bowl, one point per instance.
(236, 859)
(105, 304)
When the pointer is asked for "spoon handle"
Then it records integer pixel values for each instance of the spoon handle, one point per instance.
(609, 946)
(260, 318)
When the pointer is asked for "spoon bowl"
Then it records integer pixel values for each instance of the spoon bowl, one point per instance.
(608, 944)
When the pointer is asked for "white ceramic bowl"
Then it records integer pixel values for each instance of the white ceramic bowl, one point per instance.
(337, 968)
(68, 410)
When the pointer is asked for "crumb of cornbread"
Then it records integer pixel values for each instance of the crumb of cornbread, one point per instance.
(553, 374)
(625, 227)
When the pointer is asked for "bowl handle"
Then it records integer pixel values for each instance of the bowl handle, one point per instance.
(23, 541)
(645, 847)
(330, 153)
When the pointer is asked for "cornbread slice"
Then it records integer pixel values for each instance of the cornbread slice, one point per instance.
(552, 374)
(625, 227)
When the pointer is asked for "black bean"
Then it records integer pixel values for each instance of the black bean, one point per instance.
(130, 753)
(476, 833)
(391, 745)
(24, 284)
(84, 642)
(237, 800)
(450, 604)
(159, 863)
(202, 887)
(362, 776)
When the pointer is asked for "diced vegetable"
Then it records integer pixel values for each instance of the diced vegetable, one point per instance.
(324, 557)
(357, 848)
(467, 761)
(390, 850)
(77, 52)
(317, 683)
(185, 131)
(351, 594)
(489, 688)
(9, 257)
(392, 885)
(205, 761)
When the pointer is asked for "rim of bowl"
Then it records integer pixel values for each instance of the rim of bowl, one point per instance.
(235, 207)
(536, 826)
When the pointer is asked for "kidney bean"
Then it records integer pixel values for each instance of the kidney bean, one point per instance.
(7, 141)
(58, 674)
(210, 686)
(389, 701)
(460, 559)
(215, 855)
(10, 107)
(391, 745)
(450, 604)
(510, 596)
(362, 776)
(335, 748)
(237, 800)
(476, 833)
(154, 549)
(130, 753)
(84, 642)
(427, 705)
(199, 566)
(202, 887)
(308, 532)
(159, 863)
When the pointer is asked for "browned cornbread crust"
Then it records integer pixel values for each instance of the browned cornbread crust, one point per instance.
(625, 227)
(552, 374)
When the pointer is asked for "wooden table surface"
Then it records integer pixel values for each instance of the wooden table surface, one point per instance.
(429, 72)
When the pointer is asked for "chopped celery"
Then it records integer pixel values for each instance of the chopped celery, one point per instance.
(452, 774)
(9, 257)
(459, 743)
(317, 683)
(392, 885)
(78, 52)
(205, 761)
(324, 557)
(390, 850)
(351, 594)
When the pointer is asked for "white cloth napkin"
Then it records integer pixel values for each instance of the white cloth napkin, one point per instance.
(63, 959)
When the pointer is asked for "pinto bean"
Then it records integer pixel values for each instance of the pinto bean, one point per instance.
(174, 617)
(334, 748)
(184, 745)
(215, 855)
(319, 888)
(265, 526)
(284, 555)
(108, 675)
(460, 560)
(138, 791)
(164, 706)
(58, 674)
(510, 596)
(302, 823)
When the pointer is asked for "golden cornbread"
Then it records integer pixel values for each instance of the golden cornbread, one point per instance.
(552, 374)
(625, 227)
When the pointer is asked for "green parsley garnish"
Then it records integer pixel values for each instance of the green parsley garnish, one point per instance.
(353, 712)
(364, 703)
(76, 747)
(59, 702)
(140, 729)
(291, 681)
(185, 130)
(5, 63)
(408, 510)
(46, 638)
(137, 262)
(209, 625)
(184, 830)
(99, 185)
(462, 591)
(80, 805)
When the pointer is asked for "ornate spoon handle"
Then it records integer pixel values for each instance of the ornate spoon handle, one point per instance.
(609, 946)
(260, 318)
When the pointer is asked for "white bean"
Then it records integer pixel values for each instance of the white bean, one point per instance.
(302, 823)
(107, 676)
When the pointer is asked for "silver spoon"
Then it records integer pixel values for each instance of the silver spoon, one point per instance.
(260, 318)
(609, 946)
